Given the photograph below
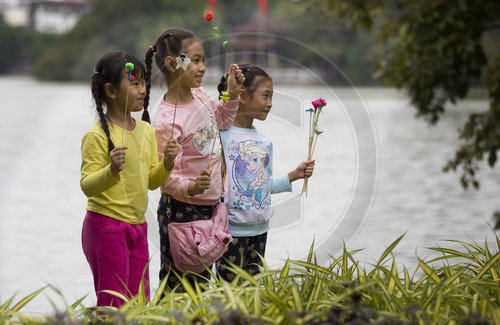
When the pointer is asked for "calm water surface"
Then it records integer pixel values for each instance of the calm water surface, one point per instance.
(42, 206)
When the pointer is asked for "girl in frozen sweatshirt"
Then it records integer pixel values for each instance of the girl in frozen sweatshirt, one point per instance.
(249, 159)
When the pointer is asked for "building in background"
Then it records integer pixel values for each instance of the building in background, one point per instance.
(14, 13)
(50, 16)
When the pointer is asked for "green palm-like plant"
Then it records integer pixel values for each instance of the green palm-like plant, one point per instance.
(458, 286)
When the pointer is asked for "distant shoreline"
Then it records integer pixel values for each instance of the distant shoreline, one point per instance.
(281, 77)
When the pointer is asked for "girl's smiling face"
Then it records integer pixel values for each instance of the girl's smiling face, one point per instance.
(257, 104)
(193, 76)
(135, 90)
(127, 95)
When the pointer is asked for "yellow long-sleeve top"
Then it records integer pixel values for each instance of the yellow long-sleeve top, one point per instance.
(125, 197)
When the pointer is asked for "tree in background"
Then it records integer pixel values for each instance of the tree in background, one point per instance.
(435, 50)
(132, 25)
(110, 25)
(310, 23)
(20, 46)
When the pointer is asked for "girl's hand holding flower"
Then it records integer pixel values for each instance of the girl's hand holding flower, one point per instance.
(201, 184)
(169, 154)
(235, 80)
(117, 157)
(303, 170)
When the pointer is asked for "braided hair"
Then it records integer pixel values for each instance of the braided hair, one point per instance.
(169, 43)
(110, 69)
(253, 77)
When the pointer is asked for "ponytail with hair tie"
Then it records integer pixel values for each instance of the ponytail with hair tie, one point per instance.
(168, 43)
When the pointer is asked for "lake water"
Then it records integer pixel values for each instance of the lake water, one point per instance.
(378, 175)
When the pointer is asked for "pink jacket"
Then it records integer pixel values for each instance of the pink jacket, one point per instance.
(196, 130)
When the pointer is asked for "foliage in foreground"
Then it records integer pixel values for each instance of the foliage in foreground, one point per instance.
(464, 289)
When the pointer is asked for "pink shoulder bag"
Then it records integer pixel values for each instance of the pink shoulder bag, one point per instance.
(198, 244)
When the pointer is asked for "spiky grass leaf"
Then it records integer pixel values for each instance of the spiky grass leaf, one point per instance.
(116, 294)
(407, 281)
(78, 303)
(311, 252)
(428, 270)
(284, 271)
(154, 318)
(231, 299)
(19, 318)
(395, 288)
(257, 300)
(160, 291)
(389, 249)
(437, 307)
(312, 268)
(393, 278)
(475, 252)
(188, 289)
(448, 253)
(27, 299)
(488, 266)
(297, 302)
(242, 274)
(5, 306)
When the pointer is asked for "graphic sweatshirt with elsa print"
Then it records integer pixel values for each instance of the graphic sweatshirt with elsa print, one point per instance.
(249, 181)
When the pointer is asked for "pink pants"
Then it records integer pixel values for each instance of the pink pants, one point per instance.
(118, 256)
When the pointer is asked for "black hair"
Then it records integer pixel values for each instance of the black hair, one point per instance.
(169, 43)
(251, 72)
(110, 69)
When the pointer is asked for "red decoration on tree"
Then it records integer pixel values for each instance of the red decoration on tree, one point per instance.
(211, 4)
(208, 16)
(263, 8)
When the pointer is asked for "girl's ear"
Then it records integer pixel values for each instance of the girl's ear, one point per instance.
(244, 97)
(170, 63)
(110, 91)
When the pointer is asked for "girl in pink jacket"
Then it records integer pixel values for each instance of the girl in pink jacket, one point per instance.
(188, 115)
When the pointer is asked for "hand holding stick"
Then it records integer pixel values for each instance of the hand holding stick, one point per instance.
(235, 80)
(201, 184)
(304, 169)
(117, 158)
(169, 154)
